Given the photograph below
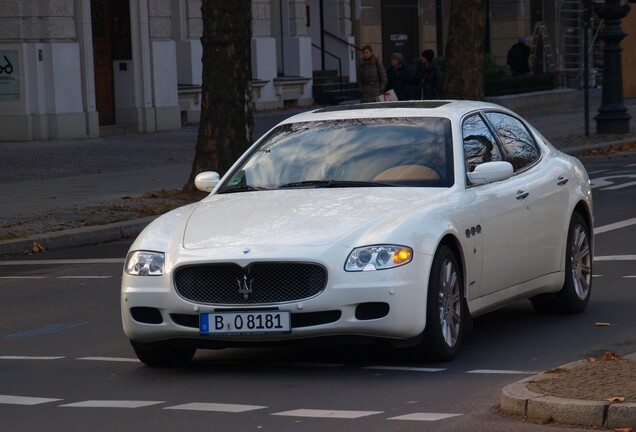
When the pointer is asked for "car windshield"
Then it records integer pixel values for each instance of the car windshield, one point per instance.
(349, 153)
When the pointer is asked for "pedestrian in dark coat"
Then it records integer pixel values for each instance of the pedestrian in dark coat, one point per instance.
(371, 76)
(399, 78)
(518, 56)
(428, 76)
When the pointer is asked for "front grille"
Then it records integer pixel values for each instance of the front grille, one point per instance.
(258, 283)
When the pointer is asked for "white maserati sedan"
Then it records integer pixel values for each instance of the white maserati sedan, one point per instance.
(396, 221)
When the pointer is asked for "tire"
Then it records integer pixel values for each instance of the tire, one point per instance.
(162, 354)
(446, 311)
(577, 287)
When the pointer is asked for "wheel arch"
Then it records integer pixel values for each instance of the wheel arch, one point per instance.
(583, 209)
(454, 245)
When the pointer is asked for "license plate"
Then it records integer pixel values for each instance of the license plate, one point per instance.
(245, 323)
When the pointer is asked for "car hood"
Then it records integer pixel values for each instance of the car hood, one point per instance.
(309, 217)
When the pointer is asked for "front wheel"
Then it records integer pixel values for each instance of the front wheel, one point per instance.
(445, 310)
(577, 287)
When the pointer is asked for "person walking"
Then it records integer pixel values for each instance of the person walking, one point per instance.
(428, 76)
(371, 76)
(399, 78)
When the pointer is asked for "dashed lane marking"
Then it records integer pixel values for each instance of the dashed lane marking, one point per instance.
(112, 404)
(615, 258)
(24, 277)
(502, 372)
(403, 368)
(220, 407)
(296, 364)
(31, 357)
(316, 413)
(64, 261)
(424, 416)
(111, 359)
(22, 400)
(217, 407)
(84, 277)
(614, 226)
(330, 365)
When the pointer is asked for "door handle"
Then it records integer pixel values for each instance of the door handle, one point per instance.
(562, 180)
(522, 194)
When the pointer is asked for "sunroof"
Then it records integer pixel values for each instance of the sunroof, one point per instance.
(384, 105)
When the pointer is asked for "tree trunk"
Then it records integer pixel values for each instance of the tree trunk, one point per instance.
(464, 62)
(226, 125)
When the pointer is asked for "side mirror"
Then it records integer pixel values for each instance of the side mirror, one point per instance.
(490, 172)
(206, 181)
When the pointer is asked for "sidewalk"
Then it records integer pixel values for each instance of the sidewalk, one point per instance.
(36, 177)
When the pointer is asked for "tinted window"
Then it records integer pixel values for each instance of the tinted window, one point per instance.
(518, 144)
(479, 144)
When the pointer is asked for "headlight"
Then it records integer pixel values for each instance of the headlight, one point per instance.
(378, 257)
(144, 263)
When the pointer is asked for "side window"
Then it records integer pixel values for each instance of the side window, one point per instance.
(479, 144)
(518, 144)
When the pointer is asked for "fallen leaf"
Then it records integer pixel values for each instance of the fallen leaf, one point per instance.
(610, 355)
(601, 324)
(626, 429)
(591, 359)
(617, 399)
(37, 247)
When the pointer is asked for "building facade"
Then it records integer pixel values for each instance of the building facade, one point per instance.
(71, 68)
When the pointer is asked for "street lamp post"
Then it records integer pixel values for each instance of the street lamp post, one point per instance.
(612, 115)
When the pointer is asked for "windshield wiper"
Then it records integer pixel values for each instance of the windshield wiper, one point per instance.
(241, 188)
(331, 184)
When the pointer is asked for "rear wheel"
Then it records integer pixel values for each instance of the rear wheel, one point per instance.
(445, 312)
(162, 354)
(577, 287)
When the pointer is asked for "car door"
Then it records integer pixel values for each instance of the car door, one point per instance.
(505, 212)
(544, 181)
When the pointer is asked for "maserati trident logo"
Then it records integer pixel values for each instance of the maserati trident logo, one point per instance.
(245, 286)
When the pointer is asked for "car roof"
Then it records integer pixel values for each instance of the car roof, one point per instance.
(432, 108)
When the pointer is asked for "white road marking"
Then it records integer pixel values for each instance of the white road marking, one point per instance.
(84, 277)
(629, 277)
(325, 365)
(615, 258)
(111, 404)
(315, 413)
(110, 359)
(22, 400)
(23, 277)
(65, 261)
(502, 372)
(31, 357)
(424, 416)
(217, 407)
(608, 183)
(614, 226)
(404, 368)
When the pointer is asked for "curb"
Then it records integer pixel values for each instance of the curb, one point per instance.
(76, 237)
(517, 400)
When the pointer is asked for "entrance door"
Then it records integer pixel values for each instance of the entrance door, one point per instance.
(102, 23)
(400, 30)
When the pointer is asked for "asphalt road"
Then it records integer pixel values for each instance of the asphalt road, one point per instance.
(66, 365)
